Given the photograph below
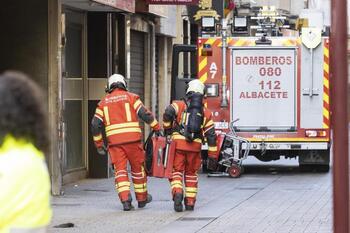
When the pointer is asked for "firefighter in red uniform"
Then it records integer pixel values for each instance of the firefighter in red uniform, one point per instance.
(176, 122)
(119, 114)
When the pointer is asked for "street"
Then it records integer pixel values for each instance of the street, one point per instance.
(268, 197)
(89, 87)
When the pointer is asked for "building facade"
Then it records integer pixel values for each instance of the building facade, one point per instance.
(70, 48)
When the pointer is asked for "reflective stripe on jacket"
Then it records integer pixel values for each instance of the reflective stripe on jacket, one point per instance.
(119, 113)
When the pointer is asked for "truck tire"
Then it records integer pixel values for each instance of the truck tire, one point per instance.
(317, 160)
(204, 155)
(268, 156)
(322, 168)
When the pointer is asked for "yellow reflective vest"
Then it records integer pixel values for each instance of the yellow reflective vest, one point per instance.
(24, 187)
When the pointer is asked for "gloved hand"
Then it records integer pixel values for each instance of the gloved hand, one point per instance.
(156, 129)
(168, 132)
(102, 150)
(212, 164)
(168, 139)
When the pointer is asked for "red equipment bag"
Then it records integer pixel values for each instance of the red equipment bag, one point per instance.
(159, 156)
(220, 138)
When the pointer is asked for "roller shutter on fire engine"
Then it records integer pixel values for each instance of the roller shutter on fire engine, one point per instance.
(263, 88)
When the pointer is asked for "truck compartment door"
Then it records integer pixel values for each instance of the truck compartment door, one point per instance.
(263, 87)
(314, 112)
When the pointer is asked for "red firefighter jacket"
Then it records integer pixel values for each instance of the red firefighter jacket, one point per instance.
(174, 116)
(119, 113)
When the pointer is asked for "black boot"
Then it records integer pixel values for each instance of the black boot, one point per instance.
(127, 206)
(178, 207)
(189, 207)
(142, 204)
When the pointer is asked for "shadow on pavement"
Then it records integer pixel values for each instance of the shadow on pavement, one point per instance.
(271, 169)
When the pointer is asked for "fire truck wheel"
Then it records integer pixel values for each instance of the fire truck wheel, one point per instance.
(314, 161)
(234, 171)
(204, 166)
(204, 155)
(305, 167)
(267, 157)
(322, 168)
(314, 167)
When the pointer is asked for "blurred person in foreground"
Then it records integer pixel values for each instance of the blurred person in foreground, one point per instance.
(24, 179)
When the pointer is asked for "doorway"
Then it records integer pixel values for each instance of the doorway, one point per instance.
(74, 72)
(89, 56)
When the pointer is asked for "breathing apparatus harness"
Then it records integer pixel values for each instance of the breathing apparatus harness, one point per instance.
(192, 118)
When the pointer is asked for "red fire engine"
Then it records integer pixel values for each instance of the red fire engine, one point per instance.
(278, 88)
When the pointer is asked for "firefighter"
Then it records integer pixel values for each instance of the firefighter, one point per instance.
(177, 122)
(119, 113)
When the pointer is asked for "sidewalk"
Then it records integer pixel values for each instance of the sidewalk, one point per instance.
(265, 199)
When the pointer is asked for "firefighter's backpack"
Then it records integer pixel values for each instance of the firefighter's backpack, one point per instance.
(192, 118)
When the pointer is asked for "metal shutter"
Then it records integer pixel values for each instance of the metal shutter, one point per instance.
(137, 74)
(157, 76)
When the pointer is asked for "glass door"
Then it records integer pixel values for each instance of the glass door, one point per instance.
(74, 79)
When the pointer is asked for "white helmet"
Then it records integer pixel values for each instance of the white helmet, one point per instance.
(195, 86)
(116, 78)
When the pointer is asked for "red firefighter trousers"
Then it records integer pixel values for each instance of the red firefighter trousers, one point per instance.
(134, 154)
(185, 167)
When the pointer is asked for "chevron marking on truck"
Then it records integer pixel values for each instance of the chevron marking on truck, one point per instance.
(289, 42)
(229, 42)
(234, 42)
(203, 61)
(240, 42)
(326, 120)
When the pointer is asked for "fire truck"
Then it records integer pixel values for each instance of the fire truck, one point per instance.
(278, 88)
